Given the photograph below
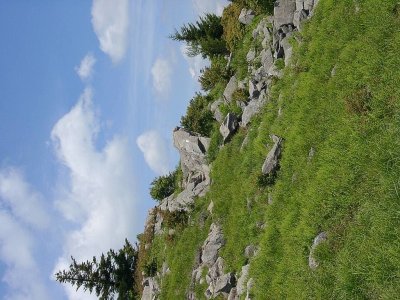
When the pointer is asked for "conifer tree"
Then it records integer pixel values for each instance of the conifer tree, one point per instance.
(111, 276)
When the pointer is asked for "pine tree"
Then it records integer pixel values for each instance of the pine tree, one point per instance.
(203, 37)
(108, 277)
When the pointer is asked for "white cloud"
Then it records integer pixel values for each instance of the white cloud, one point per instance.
(209, 6)
(110, 19)
(161, 73)
(155, 151)
(196, 64)
(100, 196)
(21, 274)
(23, 201)
(85, 68)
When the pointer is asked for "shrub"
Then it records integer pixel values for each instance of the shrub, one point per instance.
(198, 117)
(217, 72)
(233, 29)
(163, 186)
(240, 95)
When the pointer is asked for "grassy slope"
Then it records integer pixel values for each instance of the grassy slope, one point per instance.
(351, 186)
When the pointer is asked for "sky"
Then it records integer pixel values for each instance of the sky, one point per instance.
(90, 91)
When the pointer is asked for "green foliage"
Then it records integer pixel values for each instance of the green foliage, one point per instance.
(259, 6)
(240, 95)
(214, 74)
(280, 63)
(198, 116)
(111, 275)
(203, 37)
(174, 219)
(163, 186)
(150, 269)
(215, 143)
(233, 29)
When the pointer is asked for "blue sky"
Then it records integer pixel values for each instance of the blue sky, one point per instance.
(90, 91)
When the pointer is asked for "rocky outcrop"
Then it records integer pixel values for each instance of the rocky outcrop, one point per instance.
(211, 246)
(151, 288)
(228, 127)
(230, 88)
(218, 116)
(246, 16)
(272, 161)
(320, 238)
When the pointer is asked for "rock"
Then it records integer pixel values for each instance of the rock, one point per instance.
(246, 15)
(272, 160)
(320, 238)
(150, 288)
(192, 149)
(275, 72)
(218, 116)
(242, 84)
(212, 244)
(253, 91)
(228, 127)
(251, 55)
(158, 224)
(267, 59)
(250, 251)
(165, 269)
(216, 271)
(311, 154)
(250, 285)
(210, 207)
(252, 108)
(224, 284)
(287, 50)
(233, 294)
(241, 283)
(230, 88)
(283, 12)
(298, 17)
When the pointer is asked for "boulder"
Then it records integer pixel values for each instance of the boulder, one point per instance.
(287, 49)
(283, 12)
(253, 91)
(320, 238)
(192, 149)
(267, 59)
(218, 116)
(250, 251)
(228, 127)
(251, 55)
(241, 283)
(151, 289)
(250, 285)
(246, 16)
(216, 271)
(272, 161)
(212, 244)
(224, 284)
(230, 88)
(298, 17)
(252, 108)
(233, 294)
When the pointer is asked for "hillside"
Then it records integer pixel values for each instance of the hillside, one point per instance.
(290, 187)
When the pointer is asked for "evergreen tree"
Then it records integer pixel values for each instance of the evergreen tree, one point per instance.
(203, 37)
(110, 276)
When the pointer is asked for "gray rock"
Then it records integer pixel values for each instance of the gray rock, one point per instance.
(228, 127)
(250, 285)
(283, 12)
(311, 154)
(250, 251)
(233, 294)
(320, 238)
(216, 271)
(272, 160)
(253, 91)
(246, 16)
(224, 284)
(216, 111)
(298, 17)
(151, 289)
(252, 108)
(192, 149)
(267, 59)
(287, 49)
(251, 55)
(210, 207)
(158, 224)
(241, 283)
(230, 88)
(275, 72)
(212, 244)
(165, 269)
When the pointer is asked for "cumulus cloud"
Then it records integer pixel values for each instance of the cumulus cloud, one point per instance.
(85, 69)
(21, 211)
(161, 73)
(100, 196)
(155, 151)
(196, 64)
(24, 202)
(209, 6)
(110, 19)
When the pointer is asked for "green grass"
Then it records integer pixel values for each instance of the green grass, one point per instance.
(350, 188)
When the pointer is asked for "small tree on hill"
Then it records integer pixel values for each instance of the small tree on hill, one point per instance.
(163, 186)
(108, 277)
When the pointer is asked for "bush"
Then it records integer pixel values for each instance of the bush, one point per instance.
(217, 72)
(163, 186)
(233, 29)
(198, 117)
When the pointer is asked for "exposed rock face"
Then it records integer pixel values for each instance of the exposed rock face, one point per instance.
(192, 149)
(284, 12)
(230, 88)
(272, 160)
(212, 244)
(216, 111)
(151, 288)
(246, 15)
(228, 127)
(253, 107)
(320, 238)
